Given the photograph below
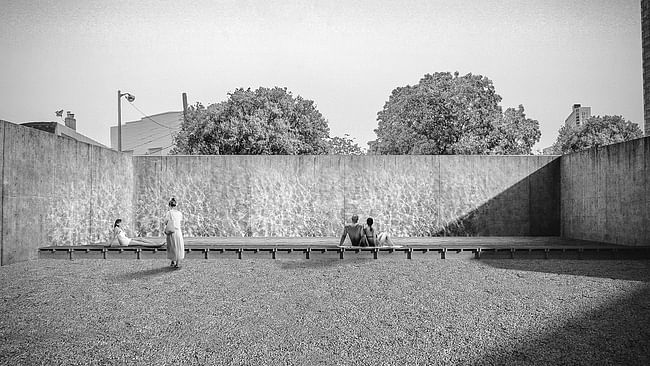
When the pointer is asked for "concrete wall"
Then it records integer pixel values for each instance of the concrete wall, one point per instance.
(58, 191)
(314, 195)
(645, 49)
(605, 194)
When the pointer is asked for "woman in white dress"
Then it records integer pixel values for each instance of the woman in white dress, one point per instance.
(125, 241)
(174, 234)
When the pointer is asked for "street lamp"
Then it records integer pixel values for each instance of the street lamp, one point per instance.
(130, 97)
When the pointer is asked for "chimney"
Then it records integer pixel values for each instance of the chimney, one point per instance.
(70, 122)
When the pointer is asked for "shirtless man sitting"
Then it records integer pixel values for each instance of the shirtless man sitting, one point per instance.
(355, 232)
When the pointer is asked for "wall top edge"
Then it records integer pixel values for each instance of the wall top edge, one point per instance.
(61, 138)
(610, 146)
(345, 156)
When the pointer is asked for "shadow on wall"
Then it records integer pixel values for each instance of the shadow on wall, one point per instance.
(614, 334)
(530, 207)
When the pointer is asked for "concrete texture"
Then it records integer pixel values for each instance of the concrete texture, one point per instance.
(58, 191)
(289, 196)
(604, 193)
(645, 49)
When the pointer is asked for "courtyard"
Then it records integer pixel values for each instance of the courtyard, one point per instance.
(357, 311)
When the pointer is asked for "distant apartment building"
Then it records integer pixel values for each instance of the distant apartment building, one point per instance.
(645, 44)
(152, 135)
(69, 130)
(578, 116)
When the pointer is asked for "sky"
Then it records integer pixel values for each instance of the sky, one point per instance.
(346, 56)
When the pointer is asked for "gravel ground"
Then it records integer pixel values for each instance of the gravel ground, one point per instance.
(325, 311)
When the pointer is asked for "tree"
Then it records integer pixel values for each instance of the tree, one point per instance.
(596, 131)
(514, 134)
(451, 114)
(344, 146)
(261, 122)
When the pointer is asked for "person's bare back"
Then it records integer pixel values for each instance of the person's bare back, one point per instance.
(354, 231)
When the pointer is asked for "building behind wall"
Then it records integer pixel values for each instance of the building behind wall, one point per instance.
(152, 135)
(69, 130)
(578, 116)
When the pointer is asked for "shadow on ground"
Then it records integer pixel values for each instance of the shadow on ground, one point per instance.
(146, 274)
(628, 270)
(321, 262)
(619, 332)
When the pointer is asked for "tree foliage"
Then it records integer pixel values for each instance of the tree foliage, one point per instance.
(513, 133)
(344, 146)
(596, 131)
(451, 114)
(265, 121)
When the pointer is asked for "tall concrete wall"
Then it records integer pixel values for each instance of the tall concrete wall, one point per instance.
(645, 49)
(314, 195)
(57, 191)
(605, 193)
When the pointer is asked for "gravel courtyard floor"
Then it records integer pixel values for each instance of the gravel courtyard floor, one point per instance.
(325, 311)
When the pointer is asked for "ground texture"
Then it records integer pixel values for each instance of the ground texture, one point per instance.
(325, 311)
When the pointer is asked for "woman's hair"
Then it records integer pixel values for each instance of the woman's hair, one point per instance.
(172, 202)
(369, 221)
(117, 223)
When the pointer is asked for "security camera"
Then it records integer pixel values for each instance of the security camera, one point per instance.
(130, 97)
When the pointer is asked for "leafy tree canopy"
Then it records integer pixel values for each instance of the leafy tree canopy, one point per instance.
(596, 131)
(265, 121)
(452, 114)
(513, 133)
(344, 146)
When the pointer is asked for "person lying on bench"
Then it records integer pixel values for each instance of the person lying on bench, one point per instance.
(355, 232)
(124, 241)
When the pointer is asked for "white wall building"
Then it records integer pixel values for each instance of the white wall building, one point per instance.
(578, 115)
(152, 135)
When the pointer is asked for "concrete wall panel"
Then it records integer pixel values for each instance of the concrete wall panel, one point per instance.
(605, 193)
(57, 191)
(314, 195)
(401, 193)
(27, 192)
(302, 196)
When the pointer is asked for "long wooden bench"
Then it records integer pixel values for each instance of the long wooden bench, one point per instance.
(480, 247)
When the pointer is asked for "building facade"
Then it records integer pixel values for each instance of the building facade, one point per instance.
(152, 135)
(578, 116)
(69, 130)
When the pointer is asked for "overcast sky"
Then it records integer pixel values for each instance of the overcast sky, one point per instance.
(347, 56)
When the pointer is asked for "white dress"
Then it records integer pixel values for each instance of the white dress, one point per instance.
(175, 244)
(122, 239)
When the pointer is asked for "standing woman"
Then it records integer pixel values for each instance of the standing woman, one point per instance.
(175, 244)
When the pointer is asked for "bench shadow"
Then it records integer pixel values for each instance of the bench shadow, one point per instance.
(149, 273)
(319, 262)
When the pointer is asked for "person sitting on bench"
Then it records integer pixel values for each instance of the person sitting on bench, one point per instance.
(376, 238)
(355, 232)
(124, 241)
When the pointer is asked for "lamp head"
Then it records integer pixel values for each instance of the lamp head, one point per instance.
(130, 97)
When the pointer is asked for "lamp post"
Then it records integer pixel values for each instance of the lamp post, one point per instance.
(130, 97)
